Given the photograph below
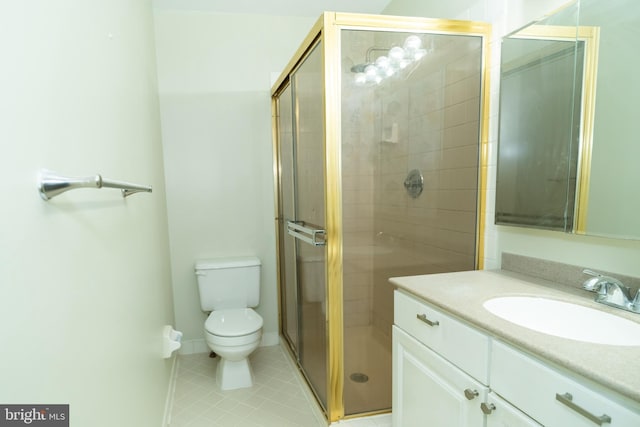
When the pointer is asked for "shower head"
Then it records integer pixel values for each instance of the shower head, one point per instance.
(359, 68)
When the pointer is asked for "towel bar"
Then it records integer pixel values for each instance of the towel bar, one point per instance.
(51, 184)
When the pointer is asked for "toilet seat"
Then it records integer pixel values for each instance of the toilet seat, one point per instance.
(229, 342)
(233, 322)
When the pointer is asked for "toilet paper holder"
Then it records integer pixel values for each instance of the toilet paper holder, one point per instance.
(171, 341)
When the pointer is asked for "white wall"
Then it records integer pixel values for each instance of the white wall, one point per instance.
(214, 79)
(84, 278)
(599, 253)
(616, 150)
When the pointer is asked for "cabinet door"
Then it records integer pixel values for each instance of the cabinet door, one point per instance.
(430, 391)
(502, 414)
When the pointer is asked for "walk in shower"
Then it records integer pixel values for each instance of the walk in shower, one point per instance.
(380, 128)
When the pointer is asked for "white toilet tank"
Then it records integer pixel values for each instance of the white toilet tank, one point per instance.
(226, 283)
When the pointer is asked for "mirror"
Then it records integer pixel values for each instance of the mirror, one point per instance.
(568, 102)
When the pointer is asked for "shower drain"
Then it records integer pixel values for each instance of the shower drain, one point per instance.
(359, 377)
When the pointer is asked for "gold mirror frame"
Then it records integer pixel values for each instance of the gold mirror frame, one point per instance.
(590, 36)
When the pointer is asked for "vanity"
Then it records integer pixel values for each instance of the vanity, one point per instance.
(456, 364)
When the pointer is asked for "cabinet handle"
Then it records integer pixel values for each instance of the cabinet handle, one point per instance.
(423, 317)
(470, 394)
(487, 408)
(567, 399)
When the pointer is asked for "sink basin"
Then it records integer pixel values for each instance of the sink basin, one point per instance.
(566, 320)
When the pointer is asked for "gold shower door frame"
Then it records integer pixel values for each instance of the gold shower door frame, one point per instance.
(328, 29)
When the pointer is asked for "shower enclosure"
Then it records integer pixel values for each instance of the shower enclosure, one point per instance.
(380, 134)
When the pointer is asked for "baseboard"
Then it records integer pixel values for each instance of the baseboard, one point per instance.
(269, 339)
(171, 391)
(194, 347)
(200, 345)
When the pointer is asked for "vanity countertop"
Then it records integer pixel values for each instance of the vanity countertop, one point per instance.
(462, 294)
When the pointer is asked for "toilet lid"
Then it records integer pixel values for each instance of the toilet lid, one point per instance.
(233, 322)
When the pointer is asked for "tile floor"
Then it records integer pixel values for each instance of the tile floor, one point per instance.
(277, 399)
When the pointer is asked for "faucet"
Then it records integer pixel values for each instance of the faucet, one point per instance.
(611, 291)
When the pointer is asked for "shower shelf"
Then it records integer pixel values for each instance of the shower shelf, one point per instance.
(51, 184)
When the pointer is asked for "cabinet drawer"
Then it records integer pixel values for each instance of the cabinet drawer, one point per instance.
(462, 345)
(550, 397)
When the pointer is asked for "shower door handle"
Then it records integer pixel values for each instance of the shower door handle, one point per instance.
(311, 235)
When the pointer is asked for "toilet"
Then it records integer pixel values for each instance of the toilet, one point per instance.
(229, 289)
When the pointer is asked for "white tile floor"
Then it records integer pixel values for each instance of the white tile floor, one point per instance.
(277, 399)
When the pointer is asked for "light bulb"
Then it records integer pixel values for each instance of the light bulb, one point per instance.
(412, 43)
(360, 79)
(382, 63)
(396, 53)
(371, 73)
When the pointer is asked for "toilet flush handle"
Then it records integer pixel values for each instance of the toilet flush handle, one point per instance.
(200, 273)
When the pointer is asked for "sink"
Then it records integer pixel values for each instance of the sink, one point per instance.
(566, 320)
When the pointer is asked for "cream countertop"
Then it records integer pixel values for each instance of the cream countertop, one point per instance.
(462, 294)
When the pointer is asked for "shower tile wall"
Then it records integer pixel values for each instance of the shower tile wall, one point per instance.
(358, 156)
(439, 106)
(426, 121)
(366, 352)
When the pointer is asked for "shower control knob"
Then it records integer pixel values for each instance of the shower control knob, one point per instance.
(470, 394)
(414, 183)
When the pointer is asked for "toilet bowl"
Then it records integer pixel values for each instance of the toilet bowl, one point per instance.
(233, 334)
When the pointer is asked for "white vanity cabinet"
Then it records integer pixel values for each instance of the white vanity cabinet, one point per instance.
(428, 389)
(551, 396)
(448, 374)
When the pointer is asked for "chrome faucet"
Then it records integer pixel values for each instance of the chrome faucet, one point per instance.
(611, 291)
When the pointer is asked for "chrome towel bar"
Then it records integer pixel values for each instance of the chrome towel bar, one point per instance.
(51, 184)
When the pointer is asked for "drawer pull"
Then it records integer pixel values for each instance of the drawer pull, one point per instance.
(423, 317)
(567, 399)
(487, 408)
(470, 394)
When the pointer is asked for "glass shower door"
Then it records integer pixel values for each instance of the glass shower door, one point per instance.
(303, 262)
(410, 157)
(289, 294)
